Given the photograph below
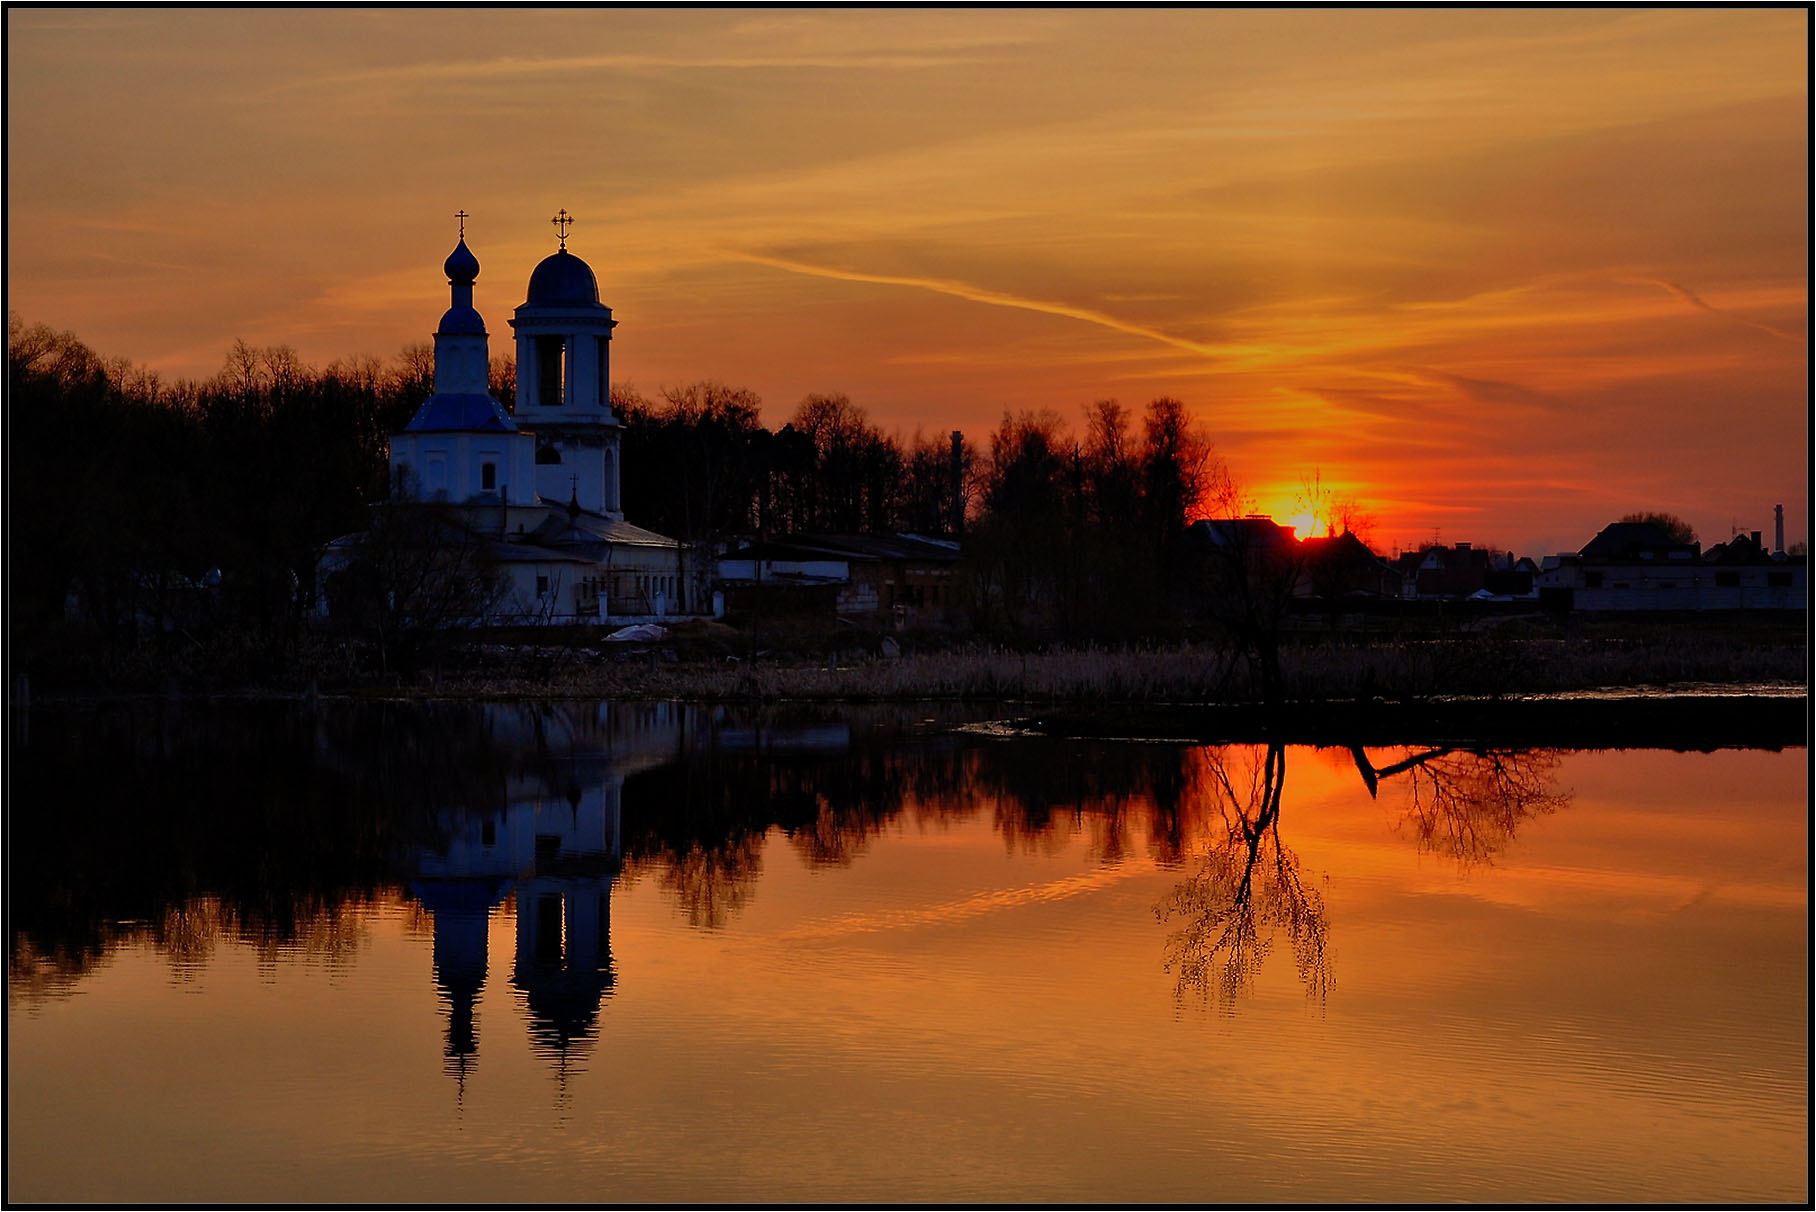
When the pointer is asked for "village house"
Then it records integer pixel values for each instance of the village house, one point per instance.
(1638, 566)
(1442, 572)
(901, 580)
(1342, 566)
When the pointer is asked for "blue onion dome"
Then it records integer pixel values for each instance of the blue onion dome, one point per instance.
(563, 280)
(461, 266)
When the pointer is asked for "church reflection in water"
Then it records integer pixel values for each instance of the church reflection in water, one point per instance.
(554, 846)
(281, 827)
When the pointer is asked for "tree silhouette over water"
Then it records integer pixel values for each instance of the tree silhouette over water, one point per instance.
(1249, 889)
(1468, 804)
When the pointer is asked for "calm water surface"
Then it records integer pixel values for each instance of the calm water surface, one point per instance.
(645, 953)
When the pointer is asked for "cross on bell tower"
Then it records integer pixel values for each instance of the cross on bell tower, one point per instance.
(462, 216)
(562, 222)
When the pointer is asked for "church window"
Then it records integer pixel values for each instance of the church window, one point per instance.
(488, 476)
(551, 370)
(548, 454)
(488, 833)
(542, 586)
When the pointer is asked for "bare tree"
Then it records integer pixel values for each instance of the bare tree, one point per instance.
(1679, 530)
(1248, 888)
(1332, 511)
(1249, 570)
(417, 575)
(1468, 804)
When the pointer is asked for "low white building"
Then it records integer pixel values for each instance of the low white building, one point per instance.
(1634, 566)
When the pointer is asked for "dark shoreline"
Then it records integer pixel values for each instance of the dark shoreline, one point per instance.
(1700, 722)
(1611, 719)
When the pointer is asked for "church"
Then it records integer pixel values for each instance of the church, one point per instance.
(535, 488)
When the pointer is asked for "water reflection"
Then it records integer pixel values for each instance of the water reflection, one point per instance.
(552, 843)
(1247, 887)
(1467, 805)
(277, 827)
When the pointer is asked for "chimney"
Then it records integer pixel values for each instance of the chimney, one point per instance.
(1778, 547)
(958, 483)
(1756, 541)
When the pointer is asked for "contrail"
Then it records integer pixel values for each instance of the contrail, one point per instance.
(967, 907)
(977, 294)
(1695, 300)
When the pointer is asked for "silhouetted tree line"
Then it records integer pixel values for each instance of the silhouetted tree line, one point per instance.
(128, 489)
(699, 465)
(136, 493)
(1085, 536)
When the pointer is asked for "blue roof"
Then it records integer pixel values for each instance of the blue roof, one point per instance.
(461, 266)
(563, 280)
(462, 321)
(451, 411)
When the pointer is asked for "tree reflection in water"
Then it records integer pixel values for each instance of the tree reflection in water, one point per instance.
(1248, 887)
(1467, 804)
(712, 884)
(1464, 804)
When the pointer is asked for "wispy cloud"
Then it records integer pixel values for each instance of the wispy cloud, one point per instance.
(508, 66)
(994, 298)
(1695, 300)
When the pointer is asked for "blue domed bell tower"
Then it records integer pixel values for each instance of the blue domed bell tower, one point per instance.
(564, 382)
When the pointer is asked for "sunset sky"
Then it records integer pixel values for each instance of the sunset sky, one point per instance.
(1503, 275)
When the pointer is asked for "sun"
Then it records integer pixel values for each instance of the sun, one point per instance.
(1287, 512)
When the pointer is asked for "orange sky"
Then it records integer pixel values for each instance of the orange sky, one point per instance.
(1502, 274)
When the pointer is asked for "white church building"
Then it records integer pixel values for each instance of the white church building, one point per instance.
(537, 484)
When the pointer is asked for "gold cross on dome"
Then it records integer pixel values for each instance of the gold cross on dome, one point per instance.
(462, 216)
(562, 222)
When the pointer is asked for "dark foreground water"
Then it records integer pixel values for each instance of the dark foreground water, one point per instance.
(648, 953)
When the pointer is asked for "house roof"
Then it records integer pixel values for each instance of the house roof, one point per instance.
(1741, 549)
(563, 527)
(1626, 540)
(862, 548)
(1256, 531)
(1341, 550)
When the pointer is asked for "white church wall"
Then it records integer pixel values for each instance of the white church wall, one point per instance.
(451, 465)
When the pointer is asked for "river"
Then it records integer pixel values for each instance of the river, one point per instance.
(645, 952)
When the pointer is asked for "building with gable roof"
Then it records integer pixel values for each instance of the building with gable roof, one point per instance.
(1638, 566)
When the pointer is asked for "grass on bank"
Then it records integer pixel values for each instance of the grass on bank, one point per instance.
(1511, 657)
